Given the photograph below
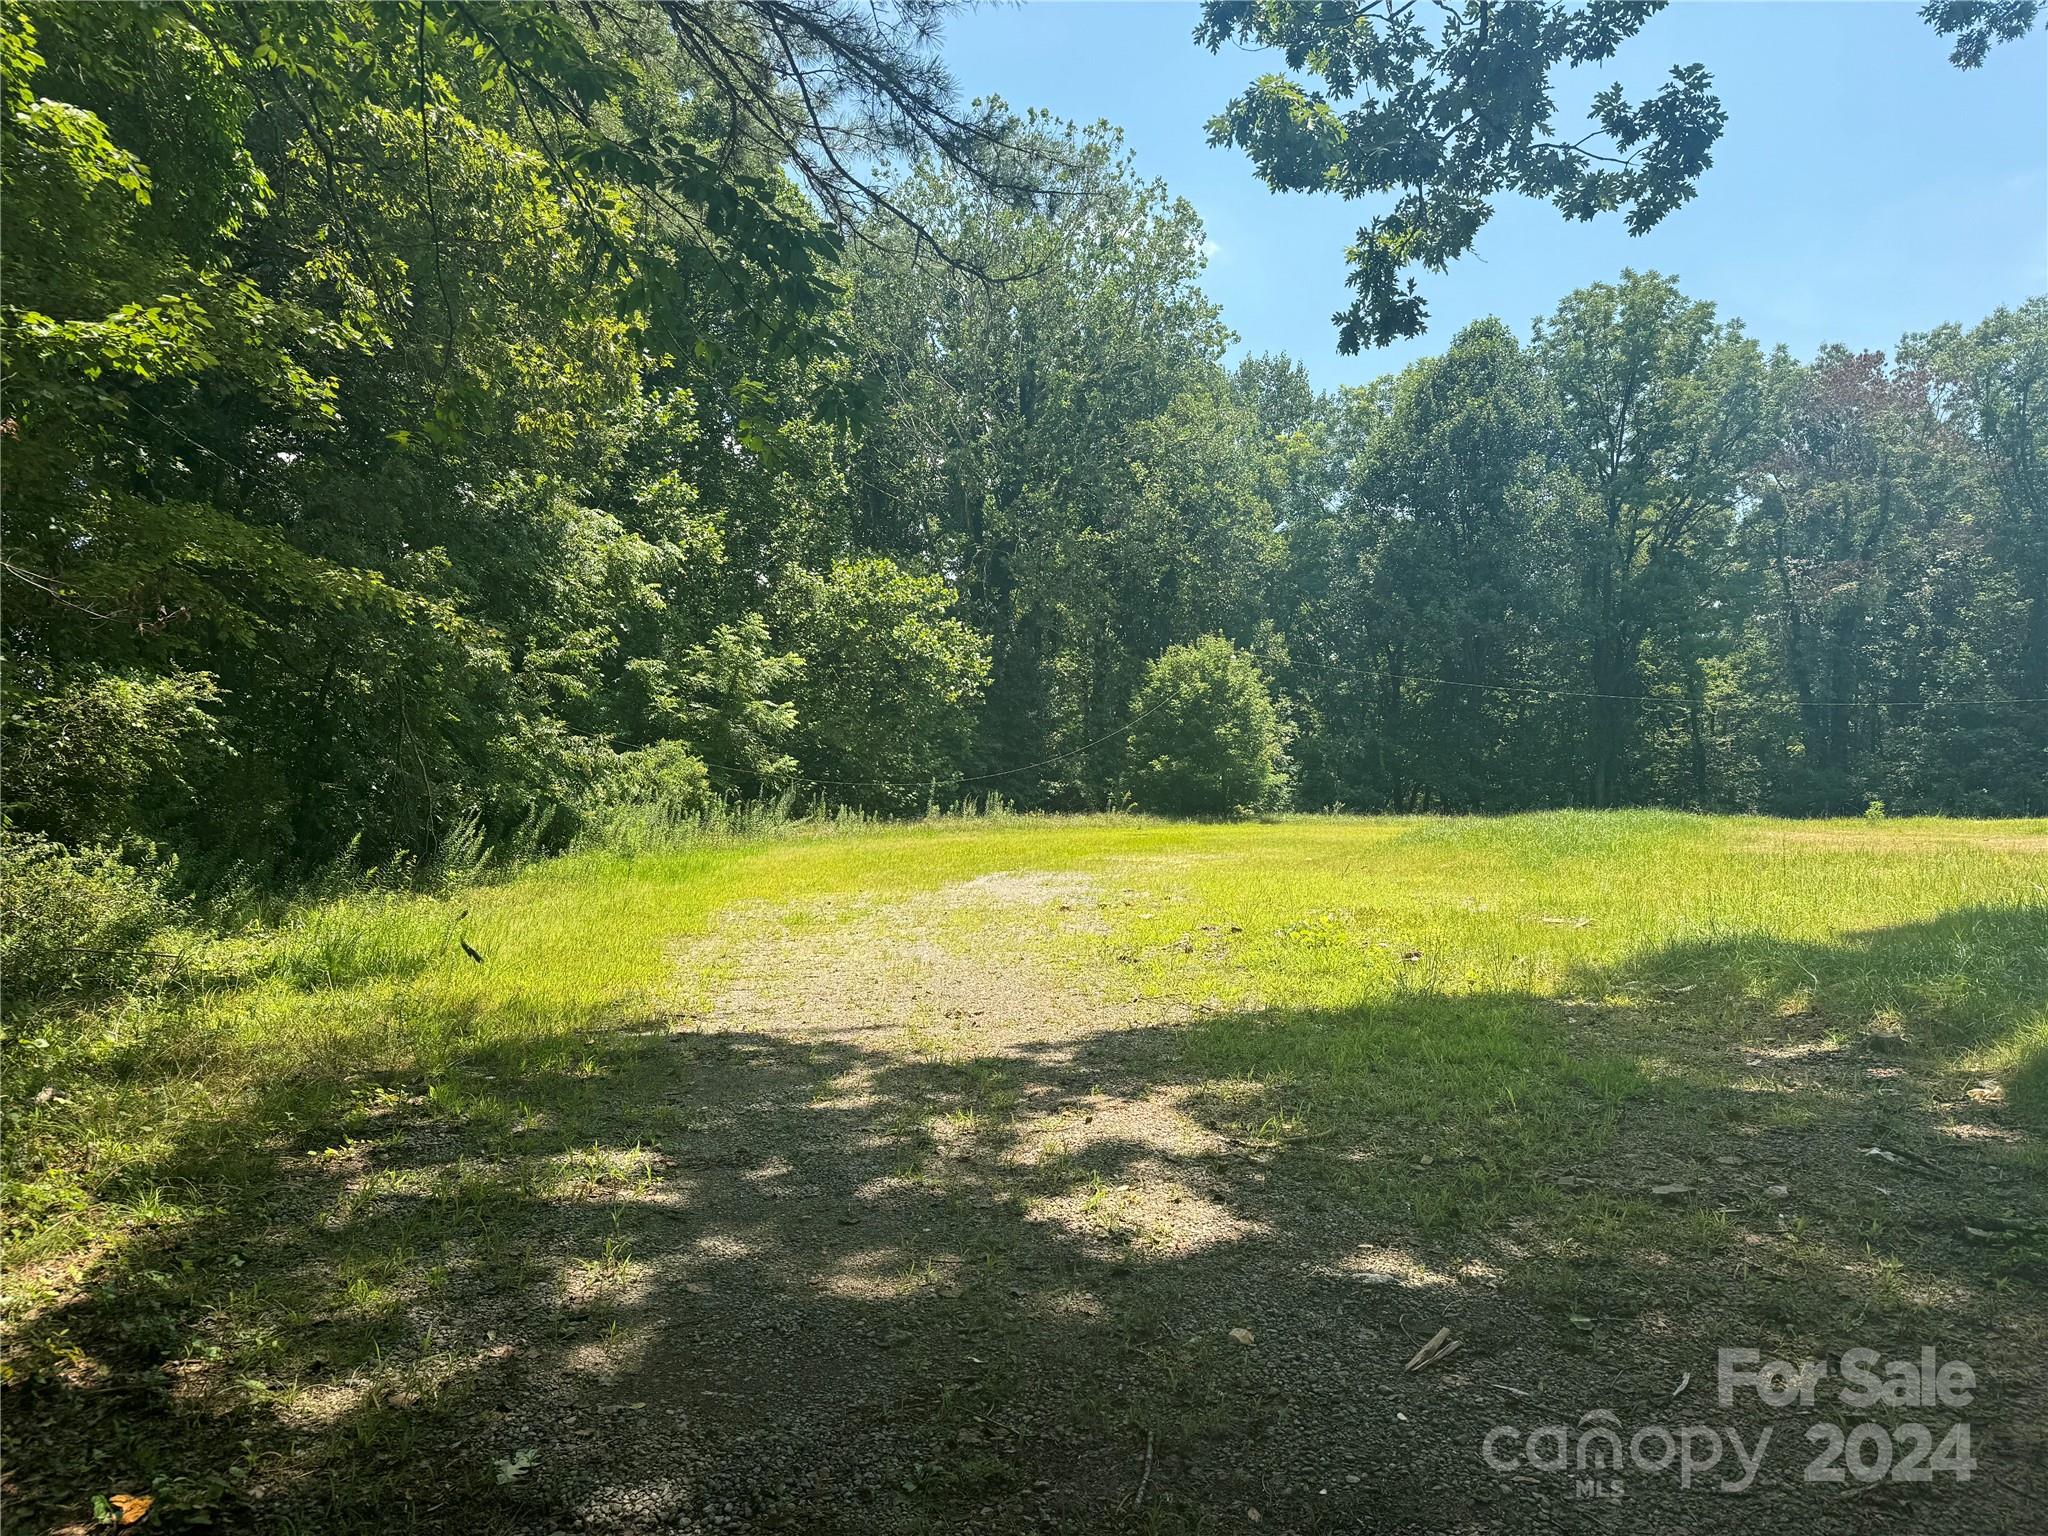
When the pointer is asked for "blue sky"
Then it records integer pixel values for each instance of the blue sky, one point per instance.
(1864, 187)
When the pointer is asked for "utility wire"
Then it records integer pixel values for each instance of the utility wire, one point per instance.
(949, 780)
(1549, 690)
(1544, 690)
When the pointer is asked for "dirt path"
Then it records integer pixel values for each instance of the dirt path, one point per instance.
(930, 1233)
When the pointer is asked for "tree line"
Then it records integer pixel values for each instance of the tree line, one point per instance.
(425, 419)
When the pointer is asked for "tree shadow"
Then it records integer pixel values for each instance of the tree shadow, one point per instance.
(649, 1275)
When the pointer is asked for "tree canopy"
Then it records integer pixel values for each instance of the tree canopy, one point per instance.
(1442, 107)
(435, 421)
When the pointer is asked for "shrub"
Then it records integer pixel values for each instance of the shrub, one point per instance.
(74, 926)
(1205, 738)
(93, 758)
(636, 798)
(665, 776)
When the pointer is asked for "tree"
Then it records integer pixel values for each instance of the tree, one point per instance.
(1979, 25)
(1843, 511)
(890, 679)
(1206, 739)
(430, 392)
(1448, 122)
(830, 88)
(1454, 575)
(1063, 449)
(1663, 411)
(1991, 383)
(1444, 122)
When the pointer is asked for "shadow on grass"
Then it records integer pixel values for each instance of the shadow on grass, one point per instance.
(633, 1273)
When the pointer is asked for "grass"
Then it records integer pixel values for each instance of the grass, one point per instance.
(257, 1234)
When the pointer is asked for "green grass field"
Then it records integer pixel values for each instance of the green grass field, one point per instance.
(916, 1177)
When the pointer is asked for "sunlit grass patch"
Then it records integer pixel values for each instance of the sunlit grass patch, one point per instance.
(399, 1130)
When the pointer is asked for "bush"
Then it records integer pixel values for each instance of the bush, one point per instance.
(1205, 738)
(98, 758)
(636, 798)
(74, 926)
(664, 776)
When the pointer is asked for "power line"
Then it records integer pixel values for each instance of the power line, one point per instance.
(958, 778)
(1549, 690)
(1545, 690)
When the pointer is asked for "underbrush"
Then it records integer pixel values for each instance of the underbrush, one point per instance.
(78, 926)
(162, 1056)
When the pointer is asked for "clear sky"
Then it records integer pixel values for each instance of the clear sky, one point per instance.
(1864, 187)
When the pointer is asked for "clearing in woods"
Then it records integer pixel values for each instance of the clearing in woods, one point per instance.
(1068, 1174)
